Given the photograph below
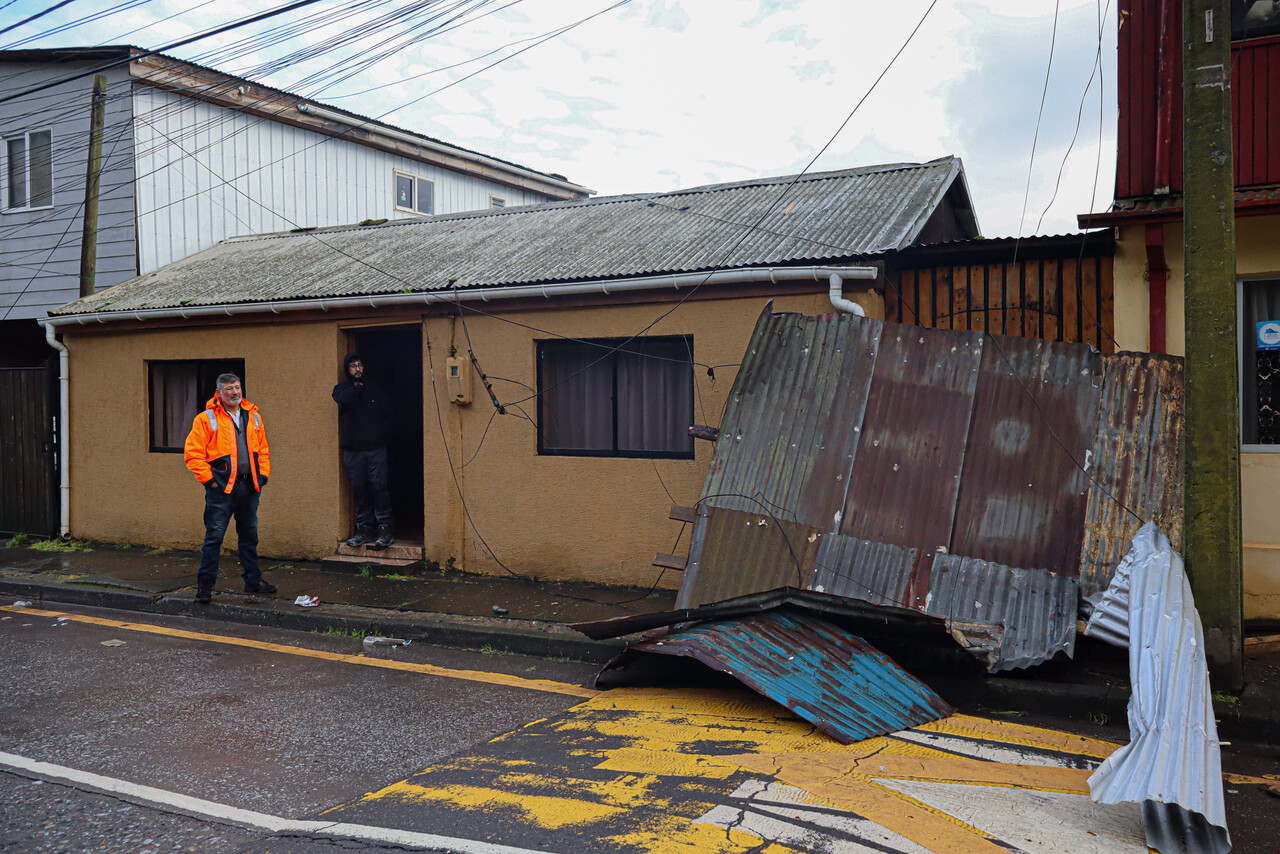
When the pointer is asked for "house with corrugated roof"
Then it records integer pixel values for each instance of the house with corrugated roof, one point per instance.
(547, 361)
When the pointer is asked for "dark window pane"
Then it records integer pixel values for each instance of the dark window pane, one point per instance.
(1254, 19)
(426, 196)
(16, 155)
(577, 397)
(655, 399)
(404, 192)
(41, 172)
(179, 392)
(1260, 367)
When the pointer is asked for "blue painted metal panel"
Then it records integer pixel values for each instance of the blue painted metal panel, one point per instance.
(831, 678)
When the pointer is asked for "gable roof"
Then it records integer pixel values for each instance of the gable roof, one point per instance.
(822, 217)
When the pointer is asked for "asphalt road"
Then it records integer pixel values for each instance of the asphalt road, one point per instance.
(424, 748)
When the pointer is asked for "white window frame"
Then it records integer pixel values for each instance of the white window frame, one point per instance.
(501, 202)
(413, 208)
(25, 136)
(1245, 337)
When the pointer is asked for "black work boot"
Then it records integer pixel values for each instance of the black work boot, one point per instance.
(204, 593)
(385, 537)
(361, 537)
(260, 587)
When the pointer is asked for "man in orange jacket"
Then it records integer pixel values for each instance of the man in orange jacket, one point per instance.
(227, 451)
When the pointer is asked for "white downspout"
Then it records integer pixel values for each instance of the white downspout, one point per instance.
(837, 291)
(64, 408)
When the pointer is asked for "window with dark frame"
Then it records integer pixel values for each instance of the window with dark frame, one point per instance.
(29, 170)
(179, 391)
(1252, 19)
(597, 401)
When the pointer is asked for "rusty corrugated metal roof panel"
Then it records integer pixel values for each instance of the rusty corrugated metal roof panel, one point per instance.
(790, 429)
(1036, 608)
(1023, 493)
(863, 569)
(1136, 461)
(733, 553)
(911, 448)
(826, 675)
(844, 214)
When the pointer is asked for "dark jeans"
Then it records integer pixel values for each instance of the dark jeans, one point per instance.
(219, 507)
(367, 471)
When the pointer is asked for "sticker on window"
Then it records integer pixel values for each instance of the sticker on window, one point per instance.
(1268, 335)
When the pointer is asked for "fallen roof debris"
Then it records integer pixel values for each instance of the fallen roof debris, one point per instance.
(1172, 765)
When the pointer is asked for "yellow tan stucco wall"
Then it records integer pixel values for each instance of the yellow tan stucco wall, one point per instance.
(123, 492)
(552, 517)
(1257, 254)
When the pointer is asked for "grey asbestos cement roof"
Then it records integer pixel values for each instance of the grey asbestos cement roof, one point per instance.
(822, 216)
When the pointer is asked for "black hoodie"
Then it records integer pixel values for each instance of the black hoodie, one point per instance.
(365, 412)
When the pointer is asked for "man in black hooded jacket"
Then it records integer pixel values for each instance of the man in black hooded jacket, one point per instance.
(365, 413)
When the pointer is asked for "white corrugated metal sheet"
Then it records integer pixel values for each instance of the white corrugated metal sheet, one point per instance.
(207, 173)
(1173, 764)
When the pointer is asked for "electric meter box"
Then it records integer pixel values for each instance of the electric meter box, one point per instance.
(458, 380)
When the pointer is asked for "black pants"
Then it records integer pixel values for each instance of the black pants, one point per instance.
(368, 473)
(219, 507)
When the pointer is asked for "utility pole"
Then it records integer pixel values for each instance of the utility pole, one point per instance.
(1212, 505)
(89, 238)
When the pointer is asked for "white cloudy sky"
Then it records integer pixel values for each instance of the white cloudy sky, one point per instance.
(662, 94)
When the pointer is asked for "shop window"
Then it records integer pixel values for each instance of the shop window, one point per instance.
(633, 401)
(179, 392)
(1252, 19)
(29, 170)
(415, 194)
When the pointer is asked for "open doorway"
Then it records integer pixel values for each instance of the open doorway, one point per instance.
(392, 358)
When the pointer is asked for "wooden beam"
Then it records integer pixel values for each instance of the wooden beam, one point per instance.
(670, 561)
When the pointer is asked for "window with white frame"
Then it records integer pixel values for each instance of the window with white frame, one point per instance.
(1260, 363)
(616, 398)
(415, 194)
(178, 393)
(28, 170)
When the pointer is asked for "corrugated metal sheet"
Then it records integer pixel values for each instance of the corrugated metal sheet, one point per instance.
(1022, 497)
(1036, 608)
(862, 569)
(912, 445)
(829, 215)
(1174, 756)
(790, 430)
(831, 678)
(733, 553)
(1136, 461)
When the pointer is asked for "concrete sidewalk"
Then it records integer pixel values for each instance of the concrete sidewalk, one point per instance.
(528, 617)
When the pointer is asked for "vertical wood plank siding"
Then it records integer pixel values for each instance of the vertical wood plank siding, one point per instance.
(1055, 299)
(1255, 102)
(28, 489)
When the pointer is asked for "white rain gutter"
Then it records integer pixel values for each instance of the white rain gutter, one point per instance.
(376, 127)
(64, 407)
(834, 275)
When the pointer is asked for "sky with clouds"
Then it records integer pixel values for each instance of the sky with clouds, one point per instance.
(654, 95)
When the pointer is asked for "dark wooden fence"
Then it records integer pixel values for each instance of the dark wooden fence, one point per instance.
(1050, 288)
(28, 451)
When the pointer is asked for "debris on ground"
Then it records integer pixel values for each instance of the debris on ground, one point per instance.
(307, 601)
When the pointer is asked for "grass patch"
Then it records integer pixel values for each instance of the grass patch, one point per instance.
(59, 546)
(18, 541)
(365, 571)
(335, 631)
(1221, 697)
(1098, 718)
(490, 649)
(562, 659)
(395, 576)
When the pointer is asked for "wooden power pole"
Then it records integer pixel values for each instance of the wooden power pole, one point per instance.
(1212, 506)
(93, 183)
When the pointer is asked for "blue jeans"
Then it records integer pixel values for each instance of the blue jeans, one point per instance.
(369, 473)
(219, 507)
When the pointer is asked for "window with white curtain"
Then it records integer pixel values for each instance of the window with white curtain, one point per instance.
(179, 392)
(28, 170)
(616, 398)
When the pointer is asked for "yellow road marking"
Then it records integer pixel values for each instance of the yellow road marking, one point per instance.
(346, 658)
(1022, 734)
(871, 764)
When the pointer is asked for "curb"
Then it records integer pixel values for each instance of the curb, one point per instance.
(519, 638)
(1056, 699)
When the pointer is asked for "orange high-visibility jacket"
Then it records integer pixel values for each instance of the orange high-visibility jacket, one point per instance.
(210, 451)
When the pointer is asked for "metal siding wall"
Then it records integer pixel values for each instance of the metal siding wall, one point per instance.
(234, 174)
(40, 249)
